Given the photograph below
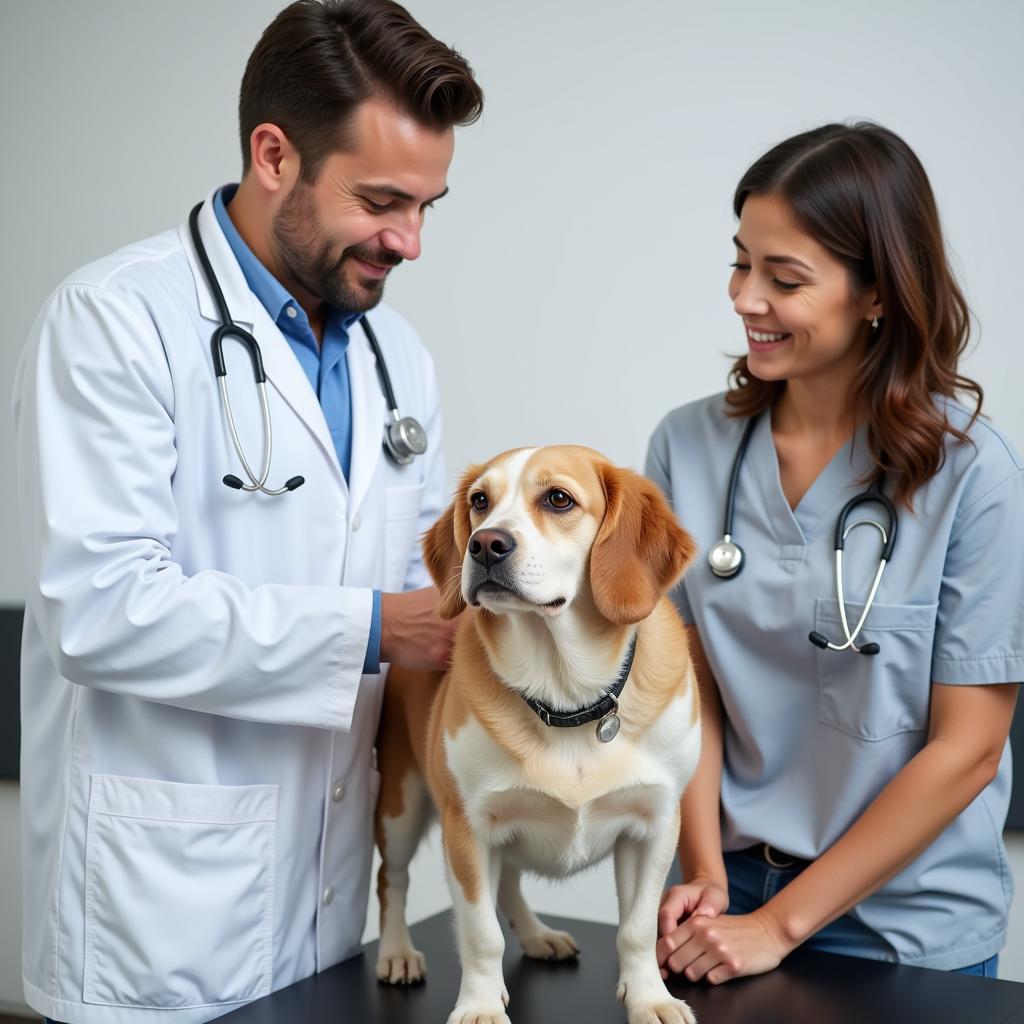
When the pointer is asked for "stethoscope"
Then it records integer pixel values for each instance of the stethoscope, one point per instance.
(404, 438)
(726, 557)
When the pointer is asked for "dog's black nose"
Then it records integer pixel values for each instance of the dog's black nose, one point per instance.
(488, 547)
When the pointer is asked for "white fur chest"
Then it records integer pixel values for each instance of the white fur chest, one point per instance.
(564, 809)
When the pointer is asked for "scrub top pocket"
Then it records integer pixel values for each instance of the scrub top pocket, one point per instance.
(873, 697)
(179, 893)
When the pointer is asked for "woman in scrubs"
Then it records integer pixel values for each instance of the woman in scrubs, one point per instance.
(850, 802)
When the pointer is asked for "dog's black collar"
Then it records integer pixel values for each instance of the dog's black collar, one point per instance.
(608, 703)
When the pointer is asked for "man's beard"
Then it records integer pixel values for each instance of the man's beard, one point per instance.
(308, 257)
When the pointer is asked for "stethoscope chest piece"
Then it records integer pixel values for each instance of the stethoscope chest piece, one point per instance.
(404, 439)
(725, 558)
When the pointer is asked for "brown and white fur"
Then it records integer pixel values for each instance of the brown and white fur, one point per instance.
(552, 619)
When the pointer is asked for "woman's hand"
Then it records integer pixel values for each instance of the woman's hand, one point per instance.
(729, 946)
(703, 897)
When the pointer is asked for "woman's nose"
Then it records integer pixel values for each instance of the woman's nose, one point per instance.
(749, 300)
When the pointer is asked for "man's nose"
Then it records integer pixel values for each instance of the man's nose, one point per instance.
(488, 547)
(404, 240)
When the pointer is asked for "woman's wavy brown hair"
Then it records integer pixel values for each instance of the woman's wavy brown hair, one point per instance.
(860, 191)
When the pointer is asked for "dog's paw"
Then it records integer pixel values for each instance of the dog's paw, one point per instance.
(549, 944)
(479, 1013)
(402, 967)
(662, 1009)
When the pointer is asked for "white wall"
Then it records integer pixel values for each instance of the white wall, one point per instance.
(580, 260)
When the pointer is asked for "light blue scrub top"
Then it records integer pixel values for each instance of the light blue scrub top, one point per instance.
(812, 736)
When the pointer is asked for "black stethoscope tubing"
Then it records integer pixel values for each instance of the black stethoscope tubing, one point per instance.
(404, 438)
(726, 558)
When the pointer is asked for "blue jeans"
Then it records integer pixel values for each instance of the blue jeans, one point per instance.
(752, 883)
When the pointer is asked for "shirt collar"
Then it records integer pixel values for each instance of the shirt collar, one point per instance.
(271, 293)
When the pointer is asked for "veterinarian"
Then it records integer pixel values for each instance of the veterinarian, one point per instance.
(220, 566)
(855, 772)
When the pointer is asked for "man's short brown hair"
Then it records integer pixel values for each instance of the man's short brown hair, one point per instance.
(319, 59)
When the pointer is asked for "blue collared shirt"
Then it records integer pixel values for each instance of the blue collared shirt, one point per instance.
(324, 364)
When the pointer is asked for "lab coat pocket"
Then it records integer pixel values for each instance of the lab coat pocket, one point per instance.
(876, 696)
(179, 893)
(402, 506)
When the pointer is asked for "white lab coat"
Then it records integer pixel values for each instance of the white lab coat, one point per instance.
(197, 740)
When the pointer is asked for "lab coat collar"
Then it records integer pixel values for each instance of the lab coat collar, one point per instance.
(241, 301)
(282, 368)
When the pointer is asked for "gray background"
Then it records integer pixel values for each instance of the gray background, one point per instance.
(572, 286)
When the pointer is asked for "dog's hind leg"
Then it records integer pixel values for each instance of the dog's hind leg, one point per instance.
(537, 939)
(398, 961)
(402, 815)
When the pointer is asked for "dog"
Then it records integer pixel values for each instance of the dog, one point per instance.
(565, 730)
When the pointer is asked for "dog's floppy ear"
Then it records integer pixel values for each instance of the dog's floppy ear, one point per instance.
(444, 545)
(444, 562)
(640, 550)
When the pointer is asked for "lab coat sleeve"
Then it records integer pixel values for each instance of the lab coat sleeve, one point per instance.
(94, 408)
(433, 479)
(657, 469)
(979, 633)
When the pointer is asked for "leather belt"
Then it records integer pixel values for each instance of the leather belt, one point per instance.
(775, 858)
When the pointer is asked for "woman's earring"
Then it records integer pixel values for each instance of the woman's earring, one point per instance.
(874, 324)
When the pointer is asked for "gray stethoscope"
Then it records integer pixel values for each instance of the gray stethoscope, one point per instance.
(404, 438)
(726, 557)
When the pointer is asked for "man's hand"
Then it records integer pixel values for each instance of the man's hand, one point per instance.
(411, 632)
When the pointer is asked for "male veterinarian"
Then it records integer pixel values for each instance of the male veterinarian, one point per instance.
(221, 563)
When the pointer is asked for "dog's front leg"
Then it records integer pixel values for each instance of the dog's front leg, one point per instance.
(473, 870)
(640, 870)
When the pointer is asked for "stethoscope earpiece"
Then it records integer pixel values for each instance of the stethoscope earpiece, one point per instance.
(233, 482)
(726, 557)
(822, 641)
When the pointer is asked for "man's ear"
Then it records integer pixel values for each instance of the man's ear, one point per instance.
(640, 550)
(273, 160)
(444, 546)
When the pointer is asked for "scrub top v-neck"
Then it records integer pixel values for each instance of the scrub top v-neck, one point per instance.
(818, 506)
(812, 736)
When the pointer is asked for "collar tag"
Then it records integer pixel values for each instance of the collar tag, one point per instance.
(606, 708)
(608, 727)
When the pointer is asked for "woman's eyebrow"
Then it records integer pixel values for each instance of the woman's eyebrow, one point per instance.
(774, 259)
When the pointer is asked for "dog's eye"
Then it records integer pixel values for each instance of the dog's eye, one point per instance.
(560, 500)
(479, 501)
